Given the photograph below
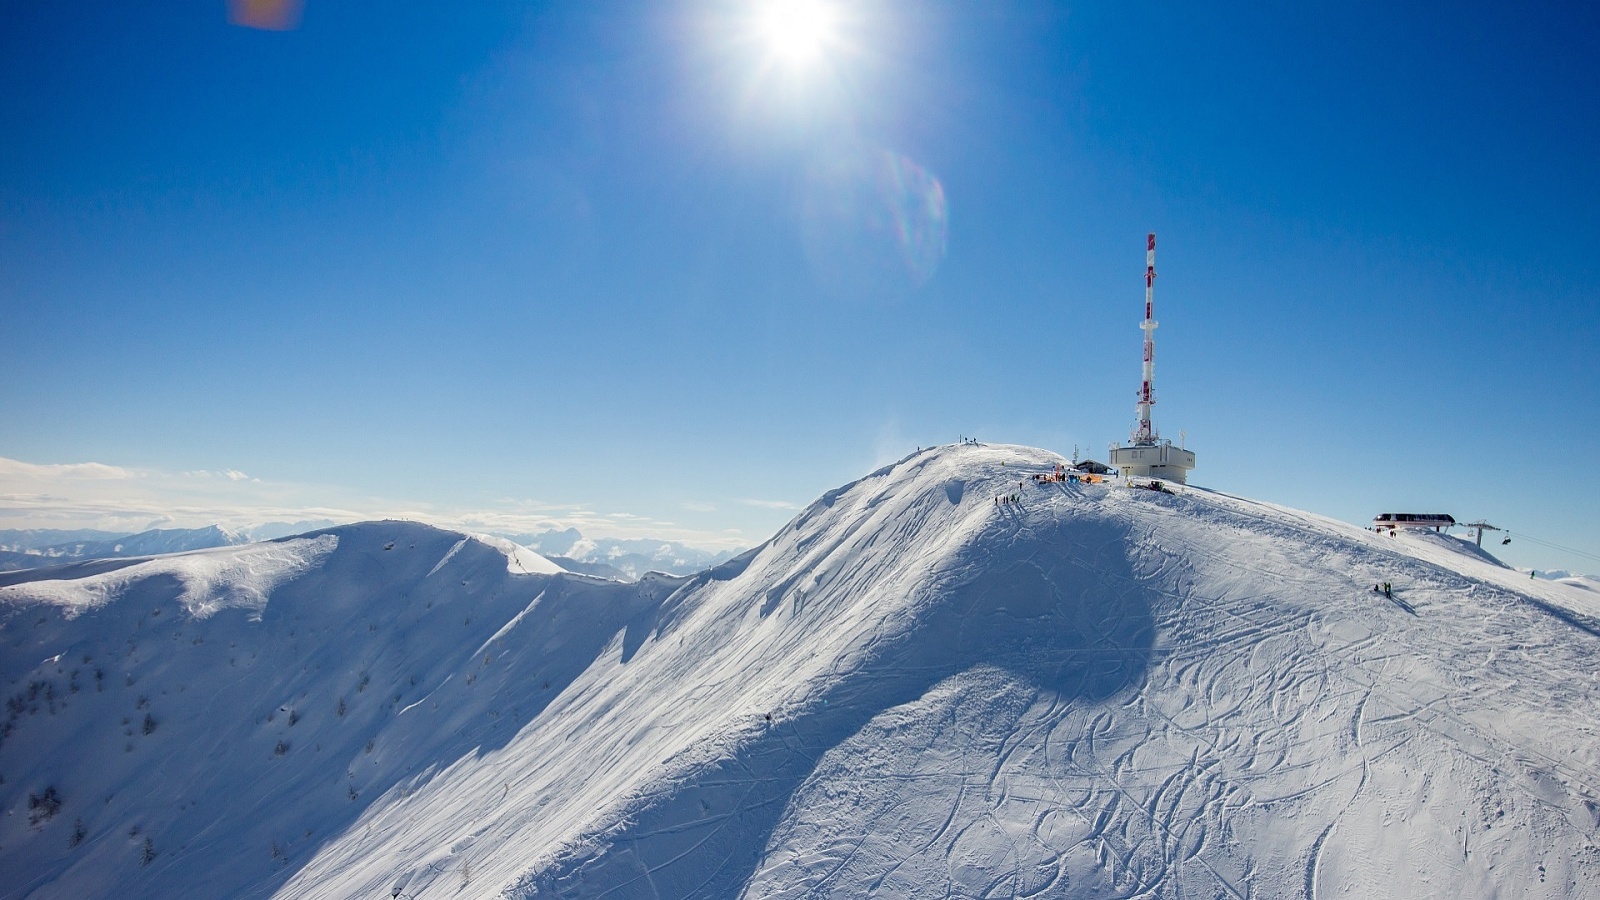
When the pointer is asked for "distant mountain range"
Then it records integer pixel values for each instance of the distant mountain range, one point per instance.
(40, 547)
(32, 548)
(619, 559)
(626, 559)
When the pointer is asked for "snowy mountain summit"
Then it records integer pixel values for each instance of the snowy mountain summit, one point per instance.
(911, 690)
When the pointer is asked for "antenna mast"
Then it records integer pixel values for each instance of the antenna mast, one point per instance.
(1145, 432)
(1147, 455)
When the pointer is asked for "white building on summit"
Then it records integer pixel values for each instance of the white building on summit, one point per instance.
(1147, 455)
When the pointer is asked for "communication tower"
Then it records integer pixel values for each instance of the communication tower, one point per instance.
(1146, 454)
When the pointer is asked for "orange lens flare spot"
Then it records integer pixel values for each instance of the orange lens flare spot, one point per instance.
(267, 15)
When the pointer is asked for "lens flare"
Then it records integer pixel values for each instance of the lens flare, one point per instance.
(267, 15)
(875, 222)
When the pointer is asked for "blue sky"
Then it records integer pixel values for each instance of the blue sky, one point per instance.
(617, 263)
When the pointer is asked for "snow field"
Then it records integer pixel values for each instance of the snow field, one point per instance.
(908, 691)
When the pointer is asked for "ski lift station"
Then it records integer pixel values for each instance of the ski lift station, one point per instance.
(1147, 455)
(1436, 521)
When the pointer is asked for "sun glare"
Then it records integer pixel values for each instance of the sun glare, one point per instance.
(796, 31)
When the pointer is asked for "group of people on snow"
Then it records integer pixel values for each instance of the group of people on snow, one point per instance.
(1060, 473)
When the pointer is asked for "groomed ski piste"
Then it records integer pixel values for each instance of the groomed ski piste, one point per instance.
(909, 691)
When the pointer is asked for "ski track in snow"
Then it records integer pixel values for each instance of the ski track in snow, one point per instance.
(908, 691)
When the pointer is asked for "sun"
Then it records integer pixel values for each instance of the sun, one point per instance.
(796, 32)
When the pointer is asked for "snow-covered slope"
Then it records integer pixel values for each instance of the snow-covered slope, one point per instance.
(203, 718)
(910, 690)
(1580, 582)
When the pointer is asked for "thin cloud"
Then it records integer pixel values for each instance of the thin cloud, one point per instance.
(771, 504)
(230, 474)
(91, 471)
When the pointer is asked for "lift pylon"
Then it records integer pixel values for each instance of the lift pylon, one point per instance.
(1478, 528)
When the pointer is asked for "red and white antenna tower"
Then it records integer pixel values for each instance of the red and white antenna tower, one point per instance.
(1147, 455)
(1145, 431)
